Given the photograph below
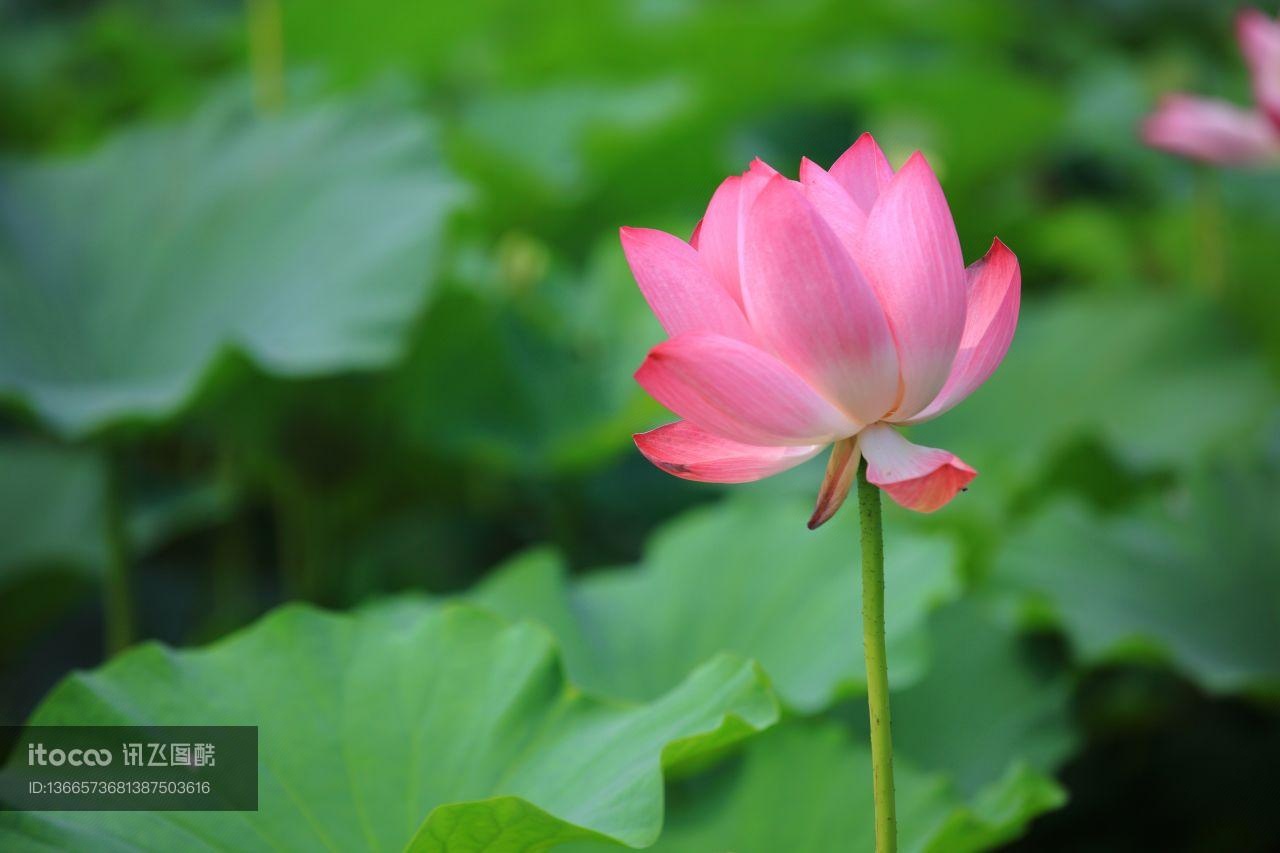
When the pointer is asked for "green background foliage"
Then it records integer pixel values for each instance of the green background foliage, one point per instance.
(367, 346)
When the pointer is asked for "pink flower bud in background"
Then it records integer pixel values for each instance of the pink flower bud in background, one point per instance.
(824, 311)
(1216, 131)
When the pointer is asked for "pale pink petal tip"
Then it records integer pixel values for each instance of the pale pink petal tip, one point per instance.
(863, 171)
(841, 468)
(686, 451)
(834, 204)
(911, 255)
(923, 479)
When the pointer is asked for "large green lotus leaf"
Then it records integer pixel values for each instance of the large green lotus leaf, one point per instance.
(975, 741)
(1158, 378)
(746, 577)
(453, 731)
(1194, 582)
(305, 240)
(808, 782)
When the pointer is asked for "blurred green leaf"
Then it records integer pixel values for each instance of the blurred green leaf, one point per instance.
(1249, 222)
(1159, 378)
(806, 783)
(52, 536)
(52, 506)
(455, 731)
(743, 577)
(986, 704)
(561, 129)
(158, 519)
(549, 359)
(53, 503)
(305, 240)
(1193, 582)
(68, 72)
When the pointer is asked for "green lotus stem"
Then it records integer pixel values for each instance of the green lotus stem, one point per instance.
(877, 662)
(1209, 232)
(118, 583)
(266, 53)
(232, 581)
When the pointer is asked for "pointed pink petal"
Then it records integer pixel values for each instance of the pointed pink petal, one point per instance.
(739, 392)
(720, 233)
(694, 454)
(911, 255)
(835, 205)
(841, 468)
(1260, 42)
(678, 287)
(863, 171)
(693, 238)
(1210, 130)
(919, 478)
(995, 294)
(754, 181)
(807, 300)
(718, 236)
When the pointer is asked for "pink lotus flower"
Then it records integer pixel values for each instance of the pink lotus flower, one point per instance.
(828, 310)
(1219, 132)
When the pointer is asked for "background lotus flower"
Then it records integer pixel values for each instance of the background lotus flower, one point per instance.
(1220, 132)
(828, 310)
